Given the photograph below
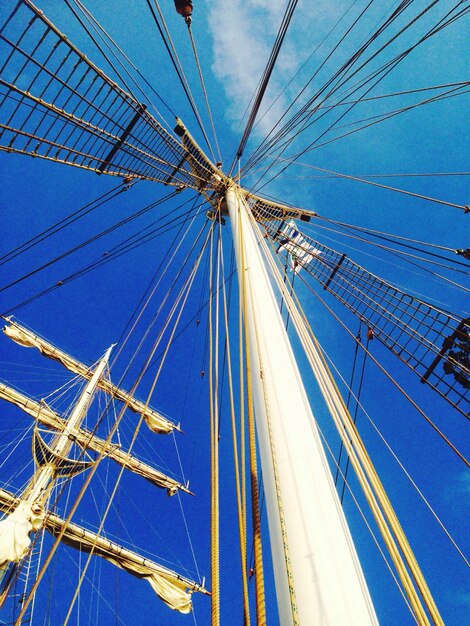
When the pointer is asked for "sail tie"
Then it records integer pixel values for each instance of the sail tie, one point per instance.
(214, 441)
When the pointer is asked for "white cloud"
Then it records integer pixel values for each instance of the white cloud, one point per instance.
(243, 34)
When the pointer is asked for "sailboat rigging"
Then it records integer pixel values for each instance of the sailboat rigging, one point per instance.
(285, 528)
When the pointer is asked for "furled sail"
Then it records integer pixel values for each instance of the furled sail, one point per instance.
(46, 416)
(14, 533)
(168, 586)
(173, 589)
(154, 420)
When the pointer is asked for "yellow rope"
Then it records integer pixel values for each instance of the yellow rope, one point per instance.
(390, 515)
(280, 504)
(215, 578)
(363, 466)
(241, 353)
(258, 550)
(240, 507)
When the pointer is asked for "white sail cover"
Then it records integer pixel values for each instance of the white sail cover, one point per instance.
(156, 422)
(15, 531)
(299, 252)
(167, 585)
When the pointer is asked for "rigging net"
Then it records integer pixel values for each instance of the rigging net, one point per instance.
(57, 105)
(431, 341)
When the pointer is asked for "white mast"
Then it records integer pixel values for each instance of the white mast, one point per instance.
(63, 441)
(317, 572)
(27, 517)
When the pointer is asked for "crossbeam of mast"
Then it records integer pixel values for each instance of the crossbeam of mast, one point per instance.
(84, 438)
(167, 584)
(21, 335)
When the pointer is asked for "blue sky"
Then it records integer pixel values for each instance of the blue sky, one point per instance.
(88, 314)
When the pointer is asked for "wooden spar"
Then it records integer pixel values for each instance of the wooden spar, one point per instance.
(84, 438)
(156, 422)
(79, 537)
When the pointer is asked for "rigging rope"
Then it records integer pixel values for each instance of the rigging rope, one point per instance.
(165, 263)
(85, 243)
(380, 73)
(203, 86)
(266, 75)
(178, 68)
(393, 381)
(400, 464)
(396, 239)
(357, 399)
(214, 444)
(294, 76)
(349, 387)
(106, 35)
(238, 487)
(266, 144)
(181, 298)
(63, 223)
(365, 470)
(388, 187)
(256, 519)
(407, 257)
(381, 118)
(126, 246)
(314, 145)
(243, 416)
(394, 94)
(368, 526)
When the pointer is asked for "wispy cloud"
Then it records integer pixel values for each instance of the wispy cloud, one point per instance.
(460, 485)
(243, 33)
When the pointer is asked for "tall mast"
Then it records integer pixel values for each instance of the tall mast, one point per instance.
(29, 513)
(317, 572)
(43, 477)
